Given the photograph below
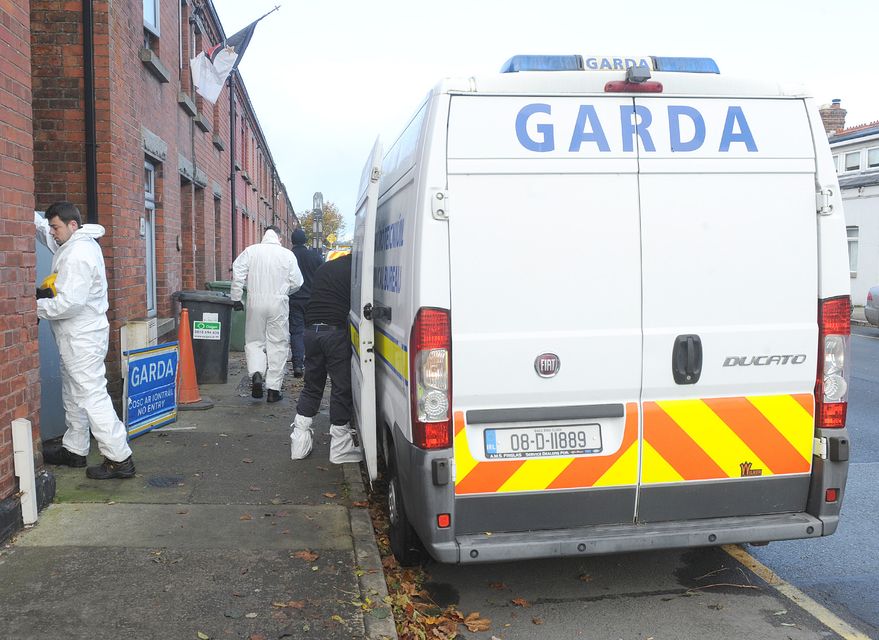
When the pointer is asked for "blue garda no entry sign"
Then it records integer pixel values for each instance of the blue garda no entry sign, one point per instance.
(151, 388)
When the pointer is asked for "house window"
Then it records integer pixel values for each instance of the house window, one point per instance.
(836, 163)
(873, 158)
(148, 233)
(151, 16)
(852, 233)
(853, 161)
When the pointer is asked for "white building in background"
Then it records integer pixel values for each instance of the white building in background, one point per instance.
(856, 154)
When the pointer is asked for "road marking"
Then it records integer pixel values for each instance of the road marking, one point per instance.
(821, 613)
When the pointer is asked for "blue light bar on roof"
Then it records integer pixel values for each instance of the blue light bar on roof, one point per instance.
(542, 63)
(687, 65)
(576, 63)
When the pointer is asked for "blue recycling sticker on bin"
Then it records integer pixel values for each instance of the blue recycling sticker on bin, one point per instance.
(151, 388)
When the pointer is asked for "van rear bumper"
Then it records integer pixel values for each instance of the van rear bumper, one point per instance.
(606, 539)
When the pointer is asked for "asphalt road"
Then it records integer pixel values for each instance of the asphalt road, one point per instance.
(842, 571)
(701, 593)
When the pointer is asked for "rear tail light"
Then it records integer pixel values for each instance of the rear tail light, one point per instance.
(869, 296)
(430, 379)
(831, 495)
(831, 384)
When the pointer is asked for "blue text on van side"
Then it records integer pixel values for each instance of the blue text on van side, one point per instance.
(634, 121)
(390, 236)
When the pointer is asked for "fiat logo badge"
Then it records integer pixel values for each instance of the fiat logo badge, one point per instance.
(547, 365)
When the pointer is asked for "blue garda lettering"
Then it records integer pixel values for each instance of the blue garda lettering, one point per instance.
(674, 128)
(596, 135)
(734, 116)
(547, 143)
(632, 129)
(634, 121)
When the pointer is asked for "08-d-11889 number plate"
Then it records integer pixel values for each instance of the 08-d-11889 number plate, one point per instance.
(540, 442)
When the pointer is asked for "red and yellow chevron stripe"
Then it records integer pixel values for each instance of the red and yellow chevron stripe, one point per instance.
(537, 474)
(684, 440)
(716, 438)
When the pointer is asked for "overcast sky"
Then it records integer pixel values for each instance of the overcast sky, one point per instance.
(328, 76)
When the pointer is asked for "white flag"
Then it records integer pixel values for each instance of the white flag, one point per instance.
(210, 70)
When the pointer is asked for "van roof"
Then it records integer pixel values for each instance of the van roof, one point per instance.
(576, 75)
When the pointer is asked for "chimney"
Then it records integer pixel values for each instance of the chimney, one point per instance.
(833, 116)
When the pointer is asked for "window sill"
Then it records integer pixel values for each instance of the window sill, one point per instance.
(218, 142)
(154, 65)
(202, 123)
(186, 103)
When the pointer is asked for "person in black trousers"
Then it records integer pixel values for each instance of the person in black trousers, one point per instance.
(309, 260)
(327, 351)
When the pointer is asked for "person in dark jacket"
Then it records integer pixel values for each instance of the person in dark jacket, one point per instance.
(309, 260)
(327, 351)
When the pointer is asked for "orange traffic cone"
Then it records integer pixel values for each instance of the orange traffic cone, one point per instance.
(188, 396)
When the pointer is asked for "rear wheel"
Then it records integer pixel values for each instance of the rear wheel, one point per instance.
(404, 541)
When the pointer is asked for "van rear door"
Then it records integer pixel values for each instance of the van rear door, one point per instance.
(729, 258)
(545, 273)
(360, 316)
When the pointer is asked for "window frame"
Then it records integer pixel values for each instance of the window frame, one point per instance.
(150, 171)
(152, 24)
(873, 151)
(852, 237)
(845, 158)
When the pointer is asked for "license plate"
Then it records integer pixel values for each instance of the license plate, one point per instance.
(541, 442)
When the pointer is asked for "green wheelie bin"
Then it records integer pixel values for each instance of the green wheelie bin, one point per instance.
(239, 318)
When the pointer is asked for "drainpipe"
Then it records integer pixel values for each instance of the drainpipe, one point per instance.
(232, 161)
(91, 145)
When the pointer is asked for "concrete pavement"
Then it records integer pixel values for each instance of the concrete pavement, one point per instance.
(220, 535)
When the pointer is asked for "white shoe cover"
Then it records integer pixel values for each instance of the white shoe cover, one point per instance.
(342, 447)
(301, 438)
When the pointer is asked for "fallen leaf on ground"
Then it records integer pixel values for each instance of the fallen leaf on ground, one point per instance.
(291, 604)
(322, 468)
(281, 514)
(247, 460)
(329, 494)
(257, 636)
(360, 503)
(338, 619)
(203, 636)
(474, 623)
(305, 554)
(520, 602)
(250, 615)
(253, 487)
(536, 620)
(585, 577)
(182, 512)
(246, 516)
(500, 586)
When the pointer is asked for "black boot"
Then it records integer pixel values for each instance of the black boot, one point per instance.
(109, 469)
(60, 455)
(274, 396)
(256, 386)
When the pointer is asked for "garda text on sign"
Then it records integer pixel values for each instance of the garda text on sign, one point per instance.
(205, 330)
(150, 388)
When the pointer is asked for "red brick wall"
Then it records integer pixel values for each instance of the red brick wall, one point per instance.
(130, 98)
(19, 355)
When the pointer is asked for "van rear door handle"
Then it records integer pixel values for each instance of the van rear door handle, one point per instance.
(686, 359)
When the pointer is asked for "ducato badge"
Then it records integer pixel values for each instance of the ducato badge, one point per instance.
(547, 365)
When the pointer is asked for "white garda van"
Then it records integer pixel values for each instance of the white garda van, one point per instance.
(602, 305)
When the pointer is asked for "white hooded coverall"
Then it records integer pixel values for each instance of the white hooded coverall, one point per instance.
(78, 316)
(271, 274)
